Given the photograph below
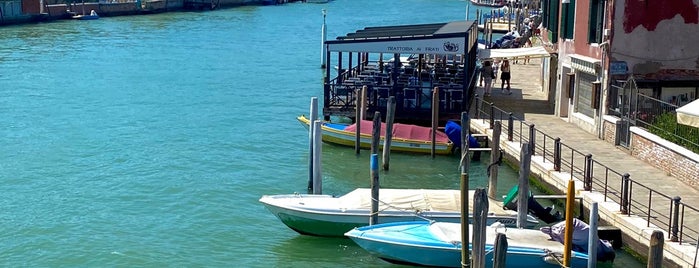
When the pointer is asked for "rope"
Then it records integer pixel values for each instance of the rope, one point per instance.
(415, 212)
(497, 162)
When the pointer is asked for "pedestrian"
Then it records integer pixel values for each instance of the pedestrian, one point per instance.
(487, 75)
(505, 76)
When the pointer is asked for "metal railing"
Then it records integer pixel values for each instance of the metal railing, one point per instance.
(634, 198)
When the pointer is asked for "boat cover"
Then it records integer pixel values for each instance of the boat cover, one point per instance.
(404, 199)
(581, 234)
(402, 131)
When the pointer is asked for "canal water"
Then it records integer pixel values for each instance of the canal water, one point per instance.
(147, 140)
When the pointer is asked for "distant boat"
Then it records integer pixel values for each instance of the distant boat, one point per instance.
(489, 3)
(92, 16)
(326, 215)
(406, 138)
(497, 27)
(438, 244)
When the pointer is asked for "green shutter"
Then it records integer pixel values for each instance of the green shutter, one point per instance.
(553, 20)
(570, 23)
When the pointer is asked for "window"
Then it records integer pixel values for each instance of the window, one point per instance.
(552, 24)
(568, 20)
(584, 100)
(594, 30)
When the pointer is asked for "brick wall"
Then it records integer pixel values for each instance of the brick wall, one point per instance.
(609, 131)
(679, 163)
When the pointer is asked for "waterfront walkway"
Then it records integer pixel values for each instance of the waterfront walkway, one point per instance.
(529, 103)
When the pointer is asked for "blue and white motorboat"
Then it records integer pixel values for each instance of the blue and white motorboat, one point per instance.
(439, 244)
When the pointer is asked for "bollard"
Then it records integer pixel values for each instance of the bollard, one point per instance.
(557, 154)
(625, 193)
(532, 139)
(675, 218)
(510, 126)
(587, 177)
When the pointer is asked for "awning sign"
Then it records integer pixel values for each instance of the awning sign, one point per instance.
(417, 46)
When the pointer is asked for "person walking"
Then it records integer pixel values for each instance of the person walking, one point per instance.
(505, 76)
(487, 74)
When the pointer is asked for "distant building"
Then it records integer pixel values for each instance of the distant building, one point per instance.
(600, 44)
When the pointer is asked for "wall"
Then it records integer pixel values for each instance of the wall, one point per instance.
(654, 35)
(675, 160)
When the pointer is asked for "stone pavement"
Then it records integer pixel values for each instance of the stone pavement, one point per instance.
(529, 102)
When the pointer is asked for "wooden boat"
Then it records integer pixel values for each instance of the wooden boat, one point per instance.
(92, 16)
(489, 3)
(438, 244)
(406, 138)
(326, 215)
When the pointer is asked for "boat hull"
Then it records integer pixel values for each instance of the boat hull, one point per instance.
(418, 244)
(346, 138)
(325, 215)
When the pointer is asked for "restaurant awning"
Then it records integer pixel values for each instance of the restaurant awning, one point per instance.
(534, 52)
(689, 114)
(436, 38)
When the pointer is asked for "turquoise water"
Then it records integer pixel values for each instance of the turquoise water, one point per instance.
(147, 140)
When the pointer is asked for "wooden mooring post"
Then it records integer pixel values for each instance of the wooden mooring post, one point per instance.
(480, 215)
(317, 152)
(500, 251)
(465, 236)
(495, 156)
(435, 119)
(523, 192)
(390, 114)
(655, 251)
(312, 117)
(568, 237)
(376, 133)
(358, 121)
(374, 219)
(593, 236)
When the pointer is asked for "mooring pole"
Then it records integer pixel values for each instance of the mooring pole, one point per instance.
(568, 238)
(523, 192)
(312, 117)
(655, 251)
(374, 219)
(323, 37)
(435, 118)
(494, 157)
(465, 236)
(593, 237)
(317, 152)
(390, 114)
